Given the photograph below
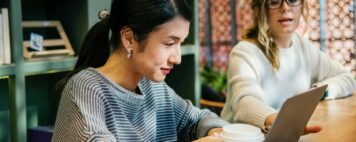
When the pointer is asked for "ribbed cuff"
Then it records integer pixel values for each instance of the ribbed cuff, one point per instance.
(208, 122)
(260, 117)
(257, 111)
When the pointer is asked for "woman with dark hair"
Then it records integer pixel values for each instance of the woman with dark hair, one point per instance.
(273, 63)
(117, 90)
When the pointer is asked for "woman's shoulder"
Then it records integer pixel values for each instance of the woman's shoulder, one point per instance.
(247, 49)
(86, 80)
(88, 75)
(246, 45)
(83, 84)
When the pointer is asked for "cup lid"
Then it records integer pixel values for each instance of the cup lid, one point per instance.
(243, 139)
(241, 130)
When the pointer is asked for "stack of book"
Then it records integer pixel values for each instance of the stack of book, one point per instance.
(5, 55)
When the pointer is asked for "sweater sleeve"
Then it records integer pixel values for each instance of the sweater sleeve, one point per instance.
(340, 81)
(193, 123)
(245, 101)
(80, 115)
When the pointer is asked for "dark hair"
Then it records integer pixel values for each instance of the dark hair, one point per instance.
(142, 16)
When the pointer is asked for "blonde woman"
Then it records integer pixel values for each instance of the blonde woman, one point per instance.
(273, 63)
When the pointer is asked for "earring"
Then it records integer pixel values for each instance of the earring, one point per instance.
(129, 53)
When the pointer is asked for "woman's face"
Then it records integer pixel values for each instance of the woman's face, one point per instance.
(284, 19)
(162, 50)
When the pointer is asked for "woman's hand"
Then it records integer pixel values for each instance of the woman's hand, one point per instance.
(269, 121)
(215, 132)
(307, 130)
(312, 129)
(213, 136)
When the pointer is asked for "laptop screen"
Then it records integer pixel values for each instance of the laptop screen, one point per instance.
(294, 116)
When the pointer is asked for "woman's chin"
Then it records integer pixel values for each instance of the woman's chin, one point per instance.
(157, 79)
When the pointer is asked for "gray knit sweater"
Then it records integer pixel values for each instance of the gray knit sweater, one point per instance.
(93, 108)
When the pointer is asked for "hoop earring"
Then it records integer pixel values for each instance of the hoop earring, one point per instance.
(129, 53)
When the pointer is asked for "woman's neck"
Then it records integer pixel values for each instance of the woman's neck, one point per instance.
(283, 41)
(118, 69)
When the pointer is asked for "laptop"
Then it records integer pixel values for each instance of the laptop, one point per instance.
(294, 116)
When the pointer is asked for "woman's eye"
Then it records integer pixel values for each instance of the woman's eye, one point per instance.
(169, 44)
(274, 3)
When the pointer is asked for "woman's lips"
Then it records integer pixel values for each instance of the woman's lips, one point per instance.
(286, 21)
(166, 71)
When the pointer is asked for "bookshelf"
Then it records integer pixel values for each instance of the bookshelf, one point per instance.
(27, 85)
(7, 70)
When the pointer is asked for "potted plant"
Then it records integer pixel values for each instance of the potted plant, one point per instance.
(214, 83)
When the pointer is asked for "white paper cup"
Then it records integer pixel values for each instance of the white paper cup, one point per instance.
(241, 133)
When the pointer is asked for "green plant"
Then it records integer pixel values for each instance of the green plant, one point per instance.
(215, 79)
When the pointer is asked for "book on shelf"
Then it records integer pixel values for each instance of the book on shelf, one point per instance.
(6, 35)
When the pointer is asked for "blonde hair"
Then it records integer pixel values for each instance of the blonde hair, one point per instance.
(260, 31)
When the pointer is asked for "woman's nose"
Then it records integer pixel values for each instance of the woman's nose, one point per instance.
(175, 57)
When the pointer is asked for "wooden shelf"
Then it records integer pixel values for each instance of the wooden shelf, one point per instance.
(209, 103)
(49, 65)
(7, 70)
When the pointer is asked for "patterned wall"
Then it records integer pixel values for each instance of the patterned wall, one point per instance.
(244, 16)
(221, 29)
(221, 32)
(202, 34)
(340, 39)
(341, 35)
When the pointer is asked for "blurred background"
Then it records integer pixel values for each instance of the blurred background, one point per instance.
(330, 27)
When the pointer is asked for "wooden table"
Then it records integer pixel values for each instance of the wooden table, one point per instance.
(338, 119)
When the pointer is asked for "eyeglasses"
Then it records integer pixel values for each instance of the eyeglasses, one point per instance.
(275, 4)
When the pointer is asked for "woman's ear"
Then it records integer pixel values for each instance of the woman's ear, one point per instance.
(127, 38)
